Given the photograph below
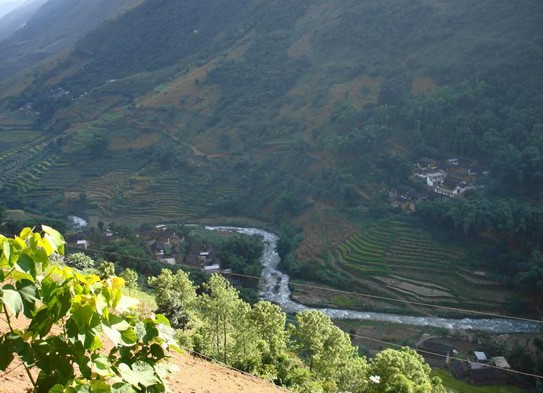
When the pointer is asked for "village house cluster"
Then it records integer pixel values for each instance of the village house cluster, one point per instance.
(480, 370)
(474, 367)
(450, 177)
(166, 242)
(171, 248)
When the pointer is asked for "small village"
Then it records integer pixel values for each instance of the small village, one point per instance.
(450, 177)
(169, 246)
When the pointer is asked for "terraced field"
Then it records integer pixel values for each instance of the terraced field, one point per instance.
(113, 186)
(365, 252)
(25, 154)
(146, 199)
(394, 257)
(389, 258)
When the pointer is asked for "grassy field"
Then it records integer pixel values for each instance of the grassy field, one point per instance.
(456, 386)
(147, 301)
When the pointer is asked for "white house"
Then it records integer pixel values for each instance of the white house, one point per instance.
(434, 179)
(480, 356)
(212, 268)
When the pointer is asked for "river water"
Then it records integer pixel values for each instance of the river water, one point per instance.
(273, 287)
(78, 222)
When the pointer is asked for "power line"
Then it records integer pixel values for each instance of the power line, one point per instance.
(365, 295)
(438, 354)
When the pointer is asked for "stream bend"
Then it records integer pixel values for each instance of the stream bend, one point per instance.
(273, 287)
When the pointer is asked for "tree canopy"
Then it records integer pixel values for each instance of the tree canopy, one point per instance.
(307, 354)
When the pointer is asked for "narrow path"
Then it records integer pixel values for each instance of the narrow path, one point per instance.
(195, 150)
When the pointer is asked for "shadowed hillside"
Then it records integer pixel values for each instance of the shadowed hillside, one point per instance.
(43, 28)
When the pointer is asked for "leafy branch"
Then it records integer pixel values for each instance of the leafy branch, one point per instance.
(85, 307)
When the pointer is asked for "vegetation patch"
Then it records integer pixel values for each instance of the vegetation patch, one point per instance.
(183, 89)
(322, 230)
(457, 386)
(140, 142)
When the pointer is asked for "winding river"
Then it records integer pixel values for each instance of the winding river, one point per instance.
(273, 287)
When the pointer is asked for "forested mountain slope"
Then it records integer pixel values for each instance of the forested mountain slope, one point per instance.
(16, 18)
(7, 6)
(43, 28)
(286, 111)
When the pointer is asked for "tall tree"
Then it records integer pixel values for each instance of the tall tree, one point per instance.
(402, 371)
(175, 296)
(327, 349)
(269, 321)
(222, 312)
(130, 278)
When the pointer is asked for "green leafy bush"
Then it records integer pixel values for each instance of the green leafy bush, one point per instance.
(71, 316)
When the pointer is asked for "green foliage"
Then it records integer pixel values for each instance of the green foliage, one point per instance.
(323, 345)
(80, 261)
(242, 255)
(172, 31)
(288, 240)
(478, 214)
(223, 313)
(175, 296)
(99, 145)
(314, 355)
(130, 278)
(266, 73)
(71, 359)
(403, 371)
(106, 269)
(15, 226)
(131, 252)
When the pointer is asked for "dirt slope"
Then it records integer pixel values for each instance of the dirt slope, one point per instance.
(194, 376)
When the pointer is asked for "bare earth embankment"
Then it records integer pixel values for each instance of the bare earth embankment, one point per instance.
(194, 375)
